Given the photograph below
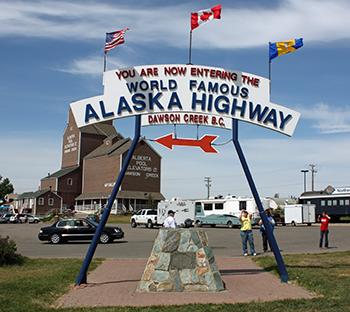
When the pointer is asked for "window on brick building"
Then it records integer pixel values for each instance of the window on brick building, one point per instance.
(69, 181)
(41, 201)
(51, 201)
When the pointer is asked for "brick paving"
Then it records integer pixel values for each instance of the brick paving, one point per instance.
(114, 283)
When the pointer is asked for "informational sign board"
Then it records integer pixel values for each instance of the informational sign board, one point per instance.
(181, 91)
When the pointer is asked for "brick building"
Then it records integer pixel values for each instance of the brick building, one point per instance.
(38, 203)
(91, 160)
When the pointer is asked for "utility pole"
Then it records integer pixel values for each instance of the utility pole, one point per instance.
(313, 171)
(304, 171)
(208, 181)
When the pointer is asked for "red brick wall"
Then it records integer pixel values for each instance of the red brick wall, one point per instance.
(45, 208)
(71, 143)
(69, 192)
(143, 173)
(99, 173)
(47, 183)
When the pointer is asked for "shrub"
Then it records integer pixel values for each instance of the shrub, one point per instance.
(8, 255)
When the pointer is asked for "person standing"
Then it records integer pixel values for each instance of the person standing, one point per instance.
(170, 221)
(247, 233)
(263, 230)
(324, 219)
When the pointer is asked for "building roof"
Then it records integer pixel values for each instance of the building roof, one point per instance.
(60, 173)
(313, 193)
(122, 194)
(34, 194)
(25, 195)
(105, 149)
(118, 148)
(102, 128)
(40, 192)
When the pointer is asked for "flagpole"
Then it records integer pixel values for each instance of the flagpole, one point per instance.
(104, 61)
(190, 50)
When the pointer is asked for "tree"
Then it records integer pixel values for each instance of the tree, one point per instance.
(5, 187)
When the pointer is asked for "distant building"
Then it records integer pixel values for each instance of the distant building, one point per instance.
(91, 160)
(38, 203)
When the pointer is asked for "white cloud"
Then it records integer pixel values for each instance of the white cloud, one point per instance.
(327, 118)
(314, 20)
(92, 65)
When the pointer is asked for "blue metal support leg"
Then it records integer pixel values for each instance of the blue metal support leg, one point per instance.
(271, 238)
(82, 277)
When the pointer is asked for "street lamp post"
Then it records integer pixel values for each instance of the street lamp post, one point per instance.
(304, 171)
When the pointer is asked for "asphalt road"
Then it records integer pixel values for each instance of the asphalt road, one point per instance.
(138, 242)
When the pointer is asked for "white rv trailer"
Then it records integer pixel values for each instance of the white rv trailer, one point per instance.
(233, 205)
(187, 210)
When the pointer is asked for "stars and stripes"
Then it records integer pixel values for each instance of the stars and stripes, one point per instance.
(114, 38)
(206, 15)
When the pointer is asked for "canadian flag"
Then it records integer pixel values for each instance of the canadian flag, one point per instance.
(202, 16)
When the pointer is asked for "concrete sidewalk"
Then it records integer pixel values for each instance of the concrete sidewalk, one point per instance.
(114, 283)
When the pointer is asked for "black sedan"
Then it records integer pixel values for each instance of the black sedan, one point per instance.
(77, 229)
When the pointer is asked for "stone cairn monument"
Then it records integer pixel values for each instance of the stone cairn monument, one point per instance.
(181, 260)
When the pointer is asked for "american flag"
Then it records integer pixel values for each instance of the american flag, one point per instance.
(114, 38)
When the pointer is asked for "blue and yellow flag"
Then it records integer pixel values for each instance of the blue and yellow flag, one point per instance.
(284, 47)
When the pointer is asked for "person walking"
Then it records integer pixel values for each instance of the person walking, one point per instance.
(170, 221)
(324, 219)
(263, 230)
(247, 233)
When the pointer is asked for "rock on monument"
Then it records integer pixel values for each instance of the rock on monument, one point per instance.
(181, 260)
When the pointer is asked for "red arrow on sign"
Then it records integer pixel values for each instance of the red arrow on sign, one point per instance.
(204, 142)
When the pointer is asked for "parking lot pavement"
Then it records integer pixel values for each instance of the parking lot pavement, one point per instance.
(138, 242)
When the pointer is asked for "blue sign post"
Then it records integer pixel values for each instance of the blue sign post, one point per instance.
(82, 277)
(271, 238)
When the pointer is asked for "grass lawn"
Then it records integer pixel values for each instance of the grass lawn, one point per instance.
(121, 219)
(35, 286)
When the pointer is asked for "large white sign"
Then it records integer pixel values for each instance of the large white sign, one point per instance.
(160, 89)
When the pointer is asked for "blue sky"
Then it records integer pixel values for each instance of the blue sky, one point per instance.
(52, 54)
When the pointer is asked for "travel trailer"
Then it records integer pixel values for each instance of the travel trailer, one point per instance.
(186, 211)
(299, 214)
(233, 205)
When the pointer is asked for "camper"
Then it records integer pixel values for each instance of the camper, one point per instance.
(299, 214)
(186, 211)
(232, 205)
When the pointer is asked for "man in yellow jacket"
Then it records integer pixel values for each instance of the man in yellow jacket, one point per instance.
(247, 233)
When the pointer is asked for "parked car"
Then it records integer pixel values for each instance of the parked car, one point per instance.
(6, 218)
(147, 217)
(77, 229)
(19, 218)
(32, 219)
(215, 219)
